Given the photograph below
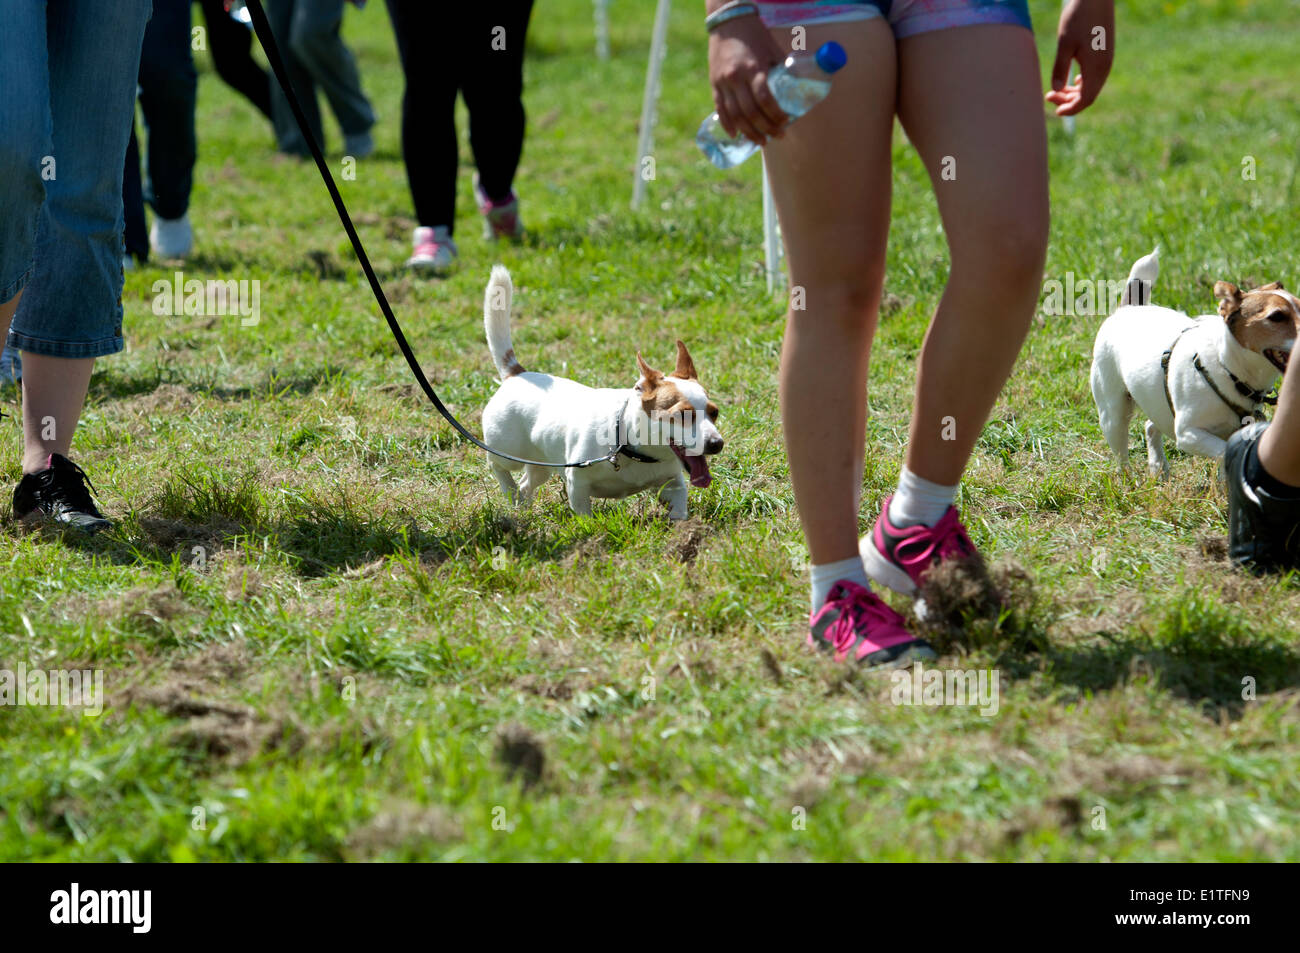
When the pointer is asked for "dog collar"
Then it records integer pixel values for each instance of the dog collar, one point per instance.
(621, 446)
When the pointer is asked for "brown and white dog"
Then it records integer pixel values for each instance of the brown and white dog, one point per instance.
(665, 427)
(1195, 379)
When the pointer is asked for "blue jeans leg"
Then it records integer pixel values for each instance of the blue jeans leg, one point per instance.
(71, 306)
(26, 140)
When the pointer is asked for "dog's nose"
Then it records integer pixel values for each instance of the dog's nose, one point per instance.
(713, 445)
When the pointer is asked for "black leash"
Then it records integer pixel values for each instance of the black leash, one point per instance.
(264, 36)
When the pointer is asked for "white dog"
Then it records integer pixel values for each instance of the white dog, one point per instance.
(656, 432)
(1195, 379)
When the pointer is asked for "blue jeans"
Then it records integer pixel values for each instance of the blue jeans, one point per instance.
(68, 71)
(307, 32)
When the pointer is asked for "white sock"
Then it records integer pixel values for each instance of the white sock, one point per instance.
(828, 574)
(918, 501)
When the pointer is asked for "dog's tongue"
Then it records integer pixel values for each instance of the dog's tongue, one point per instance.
(699, 470)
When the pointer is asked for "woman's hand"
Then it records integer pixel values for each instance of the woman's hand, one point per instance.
(1086, 36)
(740, 53)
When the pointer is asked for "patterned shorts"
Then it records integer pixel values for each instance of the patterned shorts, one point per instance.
(905, 17)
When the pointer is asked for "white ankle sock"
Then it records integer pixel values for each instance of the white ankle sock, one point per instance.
(918, 501)
(828, 574)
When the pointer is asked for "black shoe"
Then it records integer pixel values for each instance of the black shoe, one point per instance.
(1263, 530)
(59, 493)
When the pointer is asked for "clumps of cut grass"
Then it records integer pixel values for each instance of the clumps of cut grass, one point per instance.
(970, 606)
(522, 754)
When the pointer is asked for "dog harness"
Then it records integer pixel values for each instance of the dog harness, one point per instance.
(1256, 397)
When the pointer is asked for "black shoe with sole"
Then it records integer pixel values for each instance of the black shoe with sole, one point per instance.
(59, 494)
(1263, 529)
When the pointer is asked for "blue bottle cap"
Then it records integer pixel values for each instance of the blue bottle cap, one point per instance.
(831, 57)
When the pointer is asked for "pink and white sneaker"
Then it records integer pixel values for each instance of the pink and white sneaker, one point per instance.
(898, 557)
(500, 219)
(855, 621)
(434, 251)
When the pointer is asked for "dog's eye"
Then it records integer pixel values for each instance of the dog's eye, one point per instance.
(712, 411)
(1278, 317)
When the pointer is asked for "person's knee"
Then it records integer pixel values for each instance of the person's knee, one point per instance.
(314, 43)
(850, 301)
(22, 165)
(1008, 251)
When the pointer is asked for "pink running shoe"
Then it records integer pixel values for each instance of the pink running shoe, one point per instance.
(432, 250)
(856, 621)
(898, 557)
(500, 219)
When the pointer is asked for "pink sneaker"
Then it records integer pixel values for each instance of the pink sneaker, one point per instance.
(500, 219)
(898, 557)
(433, 250)
(856, 621)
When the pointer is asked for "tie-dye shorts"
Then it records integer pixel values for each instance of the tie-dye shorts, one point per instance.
(905, 17)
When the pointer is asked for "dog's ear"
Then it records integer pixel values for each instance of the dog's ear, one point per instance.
(1229, 297)
(685, 366)
(652, 377)
(1275, 286)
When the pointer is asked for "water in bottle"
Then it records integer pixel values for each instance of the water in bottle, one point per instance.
(798, 84)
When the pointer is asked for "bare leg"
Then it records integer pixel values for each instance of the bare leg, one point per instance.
(830, 177)
(54, 390)
(1279, 447)
(969, 99)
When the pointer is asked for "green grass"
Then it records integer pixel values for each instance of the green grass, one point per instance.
(325, 635)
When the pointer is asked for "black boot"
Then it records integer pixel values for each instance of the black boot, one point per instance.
(1263, 529)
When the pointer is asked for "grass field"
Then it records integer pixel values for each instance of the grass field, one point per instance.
(324, 634)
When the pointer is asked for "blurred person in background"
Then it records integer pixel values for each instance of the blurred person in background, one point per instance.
(485, 63)
(307, 32)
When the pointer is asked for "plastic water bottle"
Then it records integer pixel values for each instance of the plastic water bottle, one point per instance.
(798, 84)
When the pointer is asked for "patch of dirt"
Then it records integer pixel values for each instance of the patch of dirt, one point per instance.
(520, 751)
(163, 400)
(772, 667)
(400, 824)
(1065, 812)
(151, 609)
(177, 535)
(215, 728)
(688, 538)
(557, 690)
(222, 663)
(1214, 548)
(327, 267)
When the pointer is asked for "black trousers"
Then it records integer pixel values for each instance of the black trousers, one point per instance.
(231, 45)
(475, 48)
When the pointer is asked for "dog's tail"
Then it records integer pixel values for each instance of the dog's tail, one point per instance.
(496, 322)
(1141, 279)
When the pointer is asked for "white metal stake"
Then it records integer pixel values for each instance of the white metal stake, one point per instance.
(650, 102)
(601, 11)
(773, 251)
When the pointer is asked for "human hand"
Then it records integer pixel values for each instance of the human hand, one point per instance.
(1086, 36)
